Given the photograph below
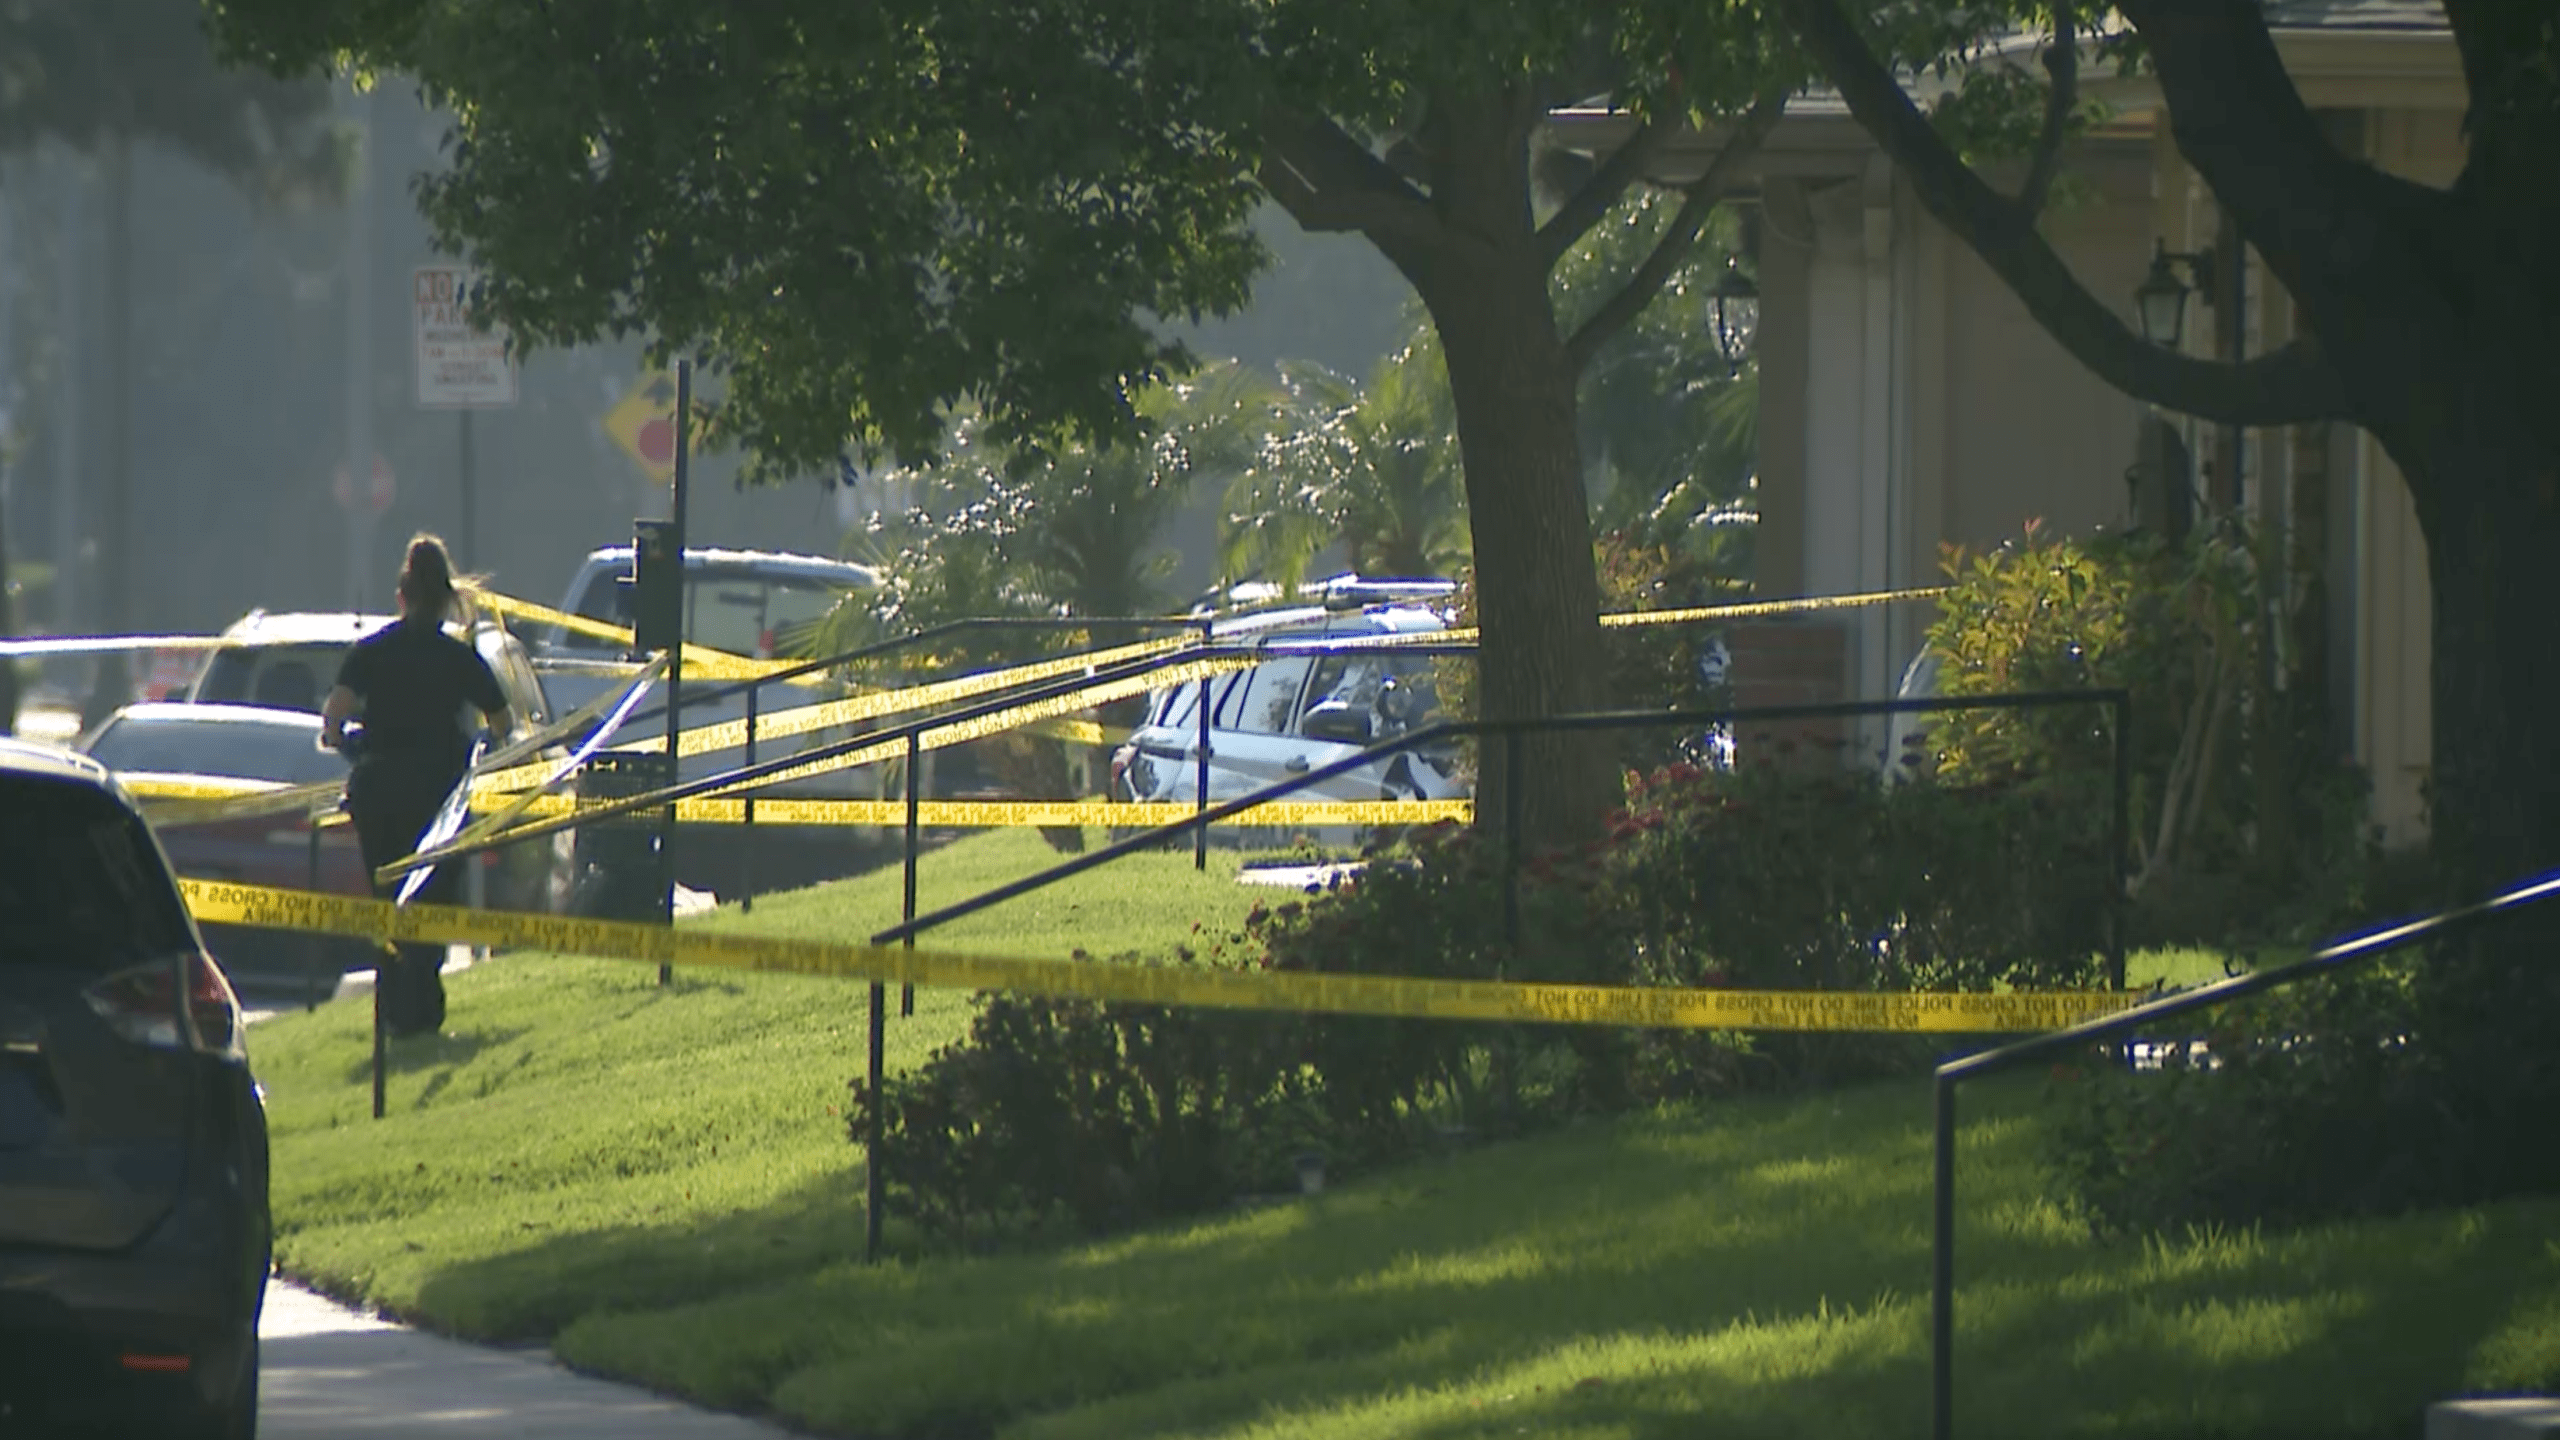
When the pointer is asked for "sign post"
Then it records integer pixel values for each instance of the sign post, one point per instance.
(462, 367)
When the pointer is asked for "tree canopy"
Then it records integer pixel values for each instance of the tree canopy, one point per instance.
(88, 71)
(861, 217)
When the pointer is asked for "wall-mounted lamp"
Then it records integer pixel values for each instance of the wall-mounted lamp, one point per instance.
(1734, 309)
(2160, 302)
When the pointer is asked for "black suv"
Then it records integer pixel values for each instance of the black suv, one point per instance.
(134, 1232)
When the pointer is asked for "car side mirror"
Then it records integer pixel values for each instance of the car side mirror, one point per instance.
(1337, 722)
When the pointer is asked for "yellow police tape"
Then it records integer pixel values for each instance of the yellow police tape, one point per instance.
(830, 714)
(1739, 610)
(959, 733)
(699, 660)
(688, 945)
(963, 814)
(802, 720)
(173, 800)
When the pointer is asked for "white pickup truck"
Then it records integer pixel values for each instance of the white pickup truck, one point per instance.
(764, 604)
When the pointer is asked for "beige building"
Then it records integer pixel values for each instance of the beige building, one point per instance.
(1908, 401)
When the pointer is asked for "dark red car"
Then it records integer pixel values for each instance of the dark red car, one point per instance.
(245, 742)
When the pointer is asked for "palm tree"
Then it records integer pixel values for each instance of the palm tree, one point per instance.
(1373, 468)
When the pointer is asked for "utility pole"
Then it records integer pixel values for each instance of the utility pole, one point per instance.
(359, 396)
(114, 681)
(70, 312)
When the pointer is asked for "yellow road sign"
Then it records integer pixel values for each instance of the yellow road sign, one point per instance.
(643, 423)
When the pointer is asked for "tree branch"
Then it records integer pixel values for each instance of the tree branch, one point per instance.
(2062, 63)
(1328, 181)
(2239, 119)
(2293, 385)
(1590, 203)
(1700, 197)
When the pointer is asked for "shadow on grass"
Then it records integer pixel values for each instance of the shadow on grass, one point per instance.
(552, 1280)
(436, 1056)
(1753, 1269)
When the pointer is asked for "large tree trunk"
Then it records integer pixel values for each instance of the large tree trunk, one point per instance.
(2490, 1002)
(1537, 595)
(2492, 521)
(1512, 383)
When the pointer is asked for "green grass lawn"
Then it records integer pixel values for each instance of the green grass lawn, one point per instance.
(1140, 902)
(581, 1138)
(1755, 1269)
(660, 1181)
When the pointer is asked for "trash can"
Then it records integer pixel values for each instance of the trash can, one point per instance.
(616, 860)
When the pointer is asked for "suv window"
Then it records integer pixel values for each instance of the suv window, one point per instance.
(1271, 701)
(1356, 680)
(80, 881)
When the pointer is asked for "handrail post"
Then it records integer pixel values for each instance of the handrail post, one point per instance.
(2119, 839)
(1200, 768)
(314, 947)
(747, 892)
(382, 964)
(1942, 1278)
(915, 799)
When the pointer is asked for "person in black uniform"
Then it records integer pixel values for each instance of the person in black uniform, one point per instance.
(411, 685)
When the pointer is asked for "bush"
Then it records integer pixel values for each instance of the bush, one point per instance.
(1784, 879)
(2246, 830)
(1090, 1115)
(2367, 1093)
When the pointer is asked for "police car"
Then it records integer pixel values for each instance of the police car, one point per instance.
(1303, 709)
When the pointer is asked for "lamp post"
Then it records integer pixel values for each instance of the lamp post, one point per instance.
(1734, 309)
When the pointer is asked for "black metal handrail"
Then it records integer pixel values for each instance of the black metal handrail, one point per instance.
(2118, 702)
(2079, 1037)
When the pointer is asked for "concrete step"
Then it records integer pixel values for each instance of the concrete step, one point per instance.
(2521, 1417)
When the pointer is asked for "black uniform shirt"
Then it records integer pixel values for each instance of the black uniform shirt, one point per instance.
(414, 680)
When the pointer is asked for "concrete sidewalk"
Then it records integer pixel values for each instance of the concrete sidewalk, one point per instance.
(329, 1371)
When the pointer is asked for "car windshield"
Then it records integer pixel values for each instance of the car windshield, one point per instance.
(243, 748)
(80, 883)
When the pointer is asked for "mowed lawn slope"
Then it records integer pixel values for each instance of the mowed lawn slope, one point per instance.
(660, 1181)
(580, 1138)
(1753, 1269)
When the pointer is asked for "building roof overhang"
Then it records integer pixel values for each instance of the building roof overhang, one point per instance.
(2400, 65)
